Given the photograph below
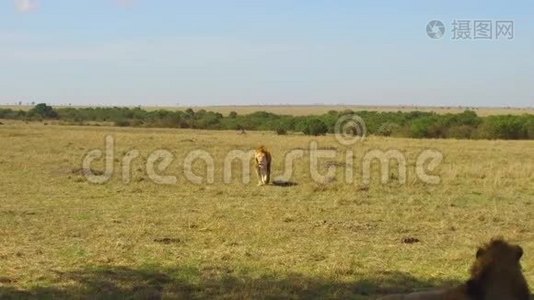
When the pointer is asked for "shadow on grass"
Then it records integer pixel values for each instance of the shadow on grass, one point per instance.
(126, 283)
(283, 183)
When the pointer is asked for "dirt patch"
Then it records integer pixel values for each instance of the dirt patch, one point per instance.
(87, 172)
(335, 164)
(187, 140)
(167, 240)
(410, 240)
(6, 280)
(284, 183)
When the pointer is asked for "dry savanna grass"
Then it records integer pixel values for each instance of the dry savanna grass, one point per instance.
(63, 237)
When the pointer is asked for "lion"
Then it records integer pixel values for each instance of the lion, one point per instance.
(263, 165)
(495, 275)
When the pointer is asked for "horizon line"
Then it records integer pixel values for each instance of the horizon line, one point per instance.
(272, 105)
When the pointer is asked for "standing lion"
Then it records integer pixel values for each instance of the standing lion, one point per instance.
(263, 165)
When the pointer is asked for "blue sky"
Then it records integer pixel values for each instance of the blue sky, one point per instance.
(225, 52)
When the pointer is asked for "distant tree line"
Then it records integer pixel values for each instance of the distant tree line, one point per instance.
(416, 124)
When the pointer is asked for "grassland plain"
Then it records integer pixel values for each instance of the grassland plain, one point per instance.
(63, 237)
(304, 110)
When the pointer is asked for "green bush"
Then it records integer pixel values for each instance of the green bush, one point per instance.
(122, 123)
(529, 128)
(314, 127)
(43, 111)
(461, 132)
(281, 131)
(11, 114)
(503, 127)
(413, 124)
(388, 129)
(422, 127)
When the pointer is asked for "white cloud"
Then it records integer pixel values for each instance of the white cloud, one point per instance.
(26, 5)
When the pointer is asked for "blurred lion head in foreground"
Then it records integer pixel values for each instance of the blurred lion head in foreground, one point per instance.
(495, 275)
